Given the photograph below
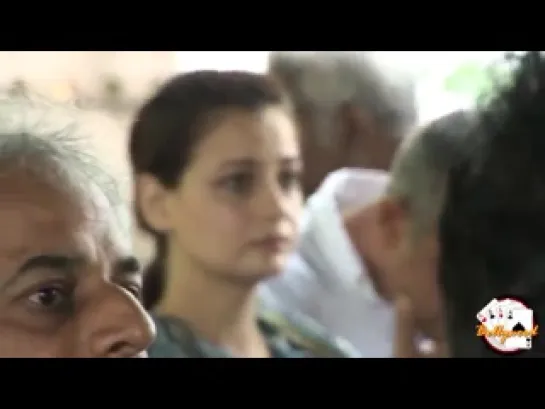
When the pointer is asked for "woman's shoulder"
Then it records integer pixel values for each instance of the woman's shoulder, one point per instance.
(173, 340)
(306, 335)
(288, 336)
(176, 339)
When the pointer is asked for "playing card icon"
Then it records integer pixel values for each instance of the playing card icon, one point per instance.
(500, 315)
(487, 312)
(519, 327)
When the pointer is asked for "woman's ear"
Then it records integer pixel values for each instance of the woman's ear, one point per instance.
(151, 198)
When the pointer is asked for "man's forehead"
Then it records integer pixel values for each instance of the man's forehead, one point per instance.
(33, 211)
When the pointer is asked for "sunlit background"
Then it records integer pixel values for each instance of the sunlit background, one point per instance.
(447, 80)
(115, 83)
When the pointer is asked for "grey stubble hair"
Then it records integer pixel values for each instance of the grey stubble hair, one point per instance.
(421, 167)
(322, 81)
(48, 140)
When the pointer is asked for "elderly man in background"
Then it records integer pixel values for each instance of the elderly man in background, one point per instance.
(353, 109)
(358, 252)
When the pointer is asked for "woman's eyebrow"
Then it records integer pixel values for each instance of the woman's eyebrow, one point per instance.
(239, 163)
(252, 162)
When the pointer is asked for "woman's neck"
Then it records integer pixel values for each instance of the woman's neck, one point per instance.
(218, 310)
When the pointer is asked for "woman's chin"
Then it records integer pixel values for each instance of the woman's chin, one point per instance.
(269, 267)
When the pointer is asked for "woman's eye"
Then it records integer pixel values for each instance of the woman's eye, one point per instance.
(289, 179)
(49, 298)
(239, 184)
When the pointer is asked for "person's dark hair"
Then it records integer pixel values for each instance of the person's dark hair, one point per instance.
(170, 125)
(493, 224)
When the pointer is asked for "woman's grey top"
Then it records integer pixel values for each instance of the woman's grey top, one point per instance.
(287, 337)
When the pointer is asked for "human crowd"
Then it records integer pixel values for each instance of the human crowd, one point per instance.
(301, 213)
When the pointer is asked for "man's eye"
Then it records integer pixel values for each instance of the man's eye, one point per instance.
(134, 289)
(50, 298)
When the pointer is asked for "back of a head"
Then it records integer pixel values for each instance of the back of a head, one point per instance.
(169, 126)
(493, 225)
(422, 164)
(321, 82)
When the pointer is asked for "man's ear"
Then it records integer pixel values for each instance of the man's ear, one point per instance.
(357, 125)
(366, 142)
(392, 220)
(151, 199)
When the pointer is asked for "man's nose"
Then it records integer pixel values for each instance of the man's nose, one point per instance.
(117, 326)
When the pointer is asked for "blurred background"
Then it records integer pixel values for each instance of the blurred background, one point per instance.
(110, 85)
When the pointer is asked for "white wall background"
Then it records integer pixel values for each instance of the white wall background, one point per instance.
(255, 61)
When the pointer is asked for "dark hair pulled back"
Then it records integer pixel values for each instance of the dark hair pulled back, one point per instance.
(169, 126)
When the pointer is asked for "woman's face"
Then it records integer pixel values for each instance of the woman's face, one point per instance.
(236, 209)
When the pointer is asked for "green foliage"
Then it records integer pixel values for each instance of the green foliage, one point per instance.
(474, 79)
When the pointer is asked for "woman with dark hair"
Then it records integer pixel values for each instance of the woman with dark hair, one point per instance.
(217, 183)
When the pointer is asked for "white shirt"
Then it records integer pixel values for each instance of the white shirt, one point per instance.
(326, 279)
